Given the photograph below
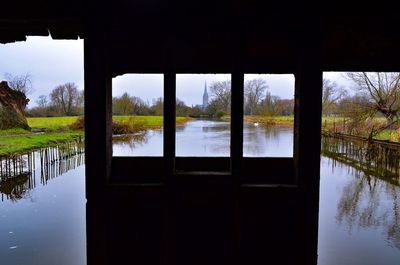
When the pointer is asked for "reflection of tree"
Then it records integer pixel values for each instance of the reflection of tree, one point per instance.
(131, 140)
(365, 203)
(217, 127)
(256, 138)
(17, 187)
(17, 173)
(370, 200)
(374, 159)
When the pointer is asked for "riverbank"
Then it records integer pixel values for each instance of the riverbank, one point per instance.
(51, 131)
(20, 144)
(149, 122)
(328, 124)
(281, 121)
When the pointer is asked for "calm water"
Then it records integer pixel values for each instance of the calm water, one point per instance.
(43, 220)
(42, 217)
(359, 218)
(210, 138)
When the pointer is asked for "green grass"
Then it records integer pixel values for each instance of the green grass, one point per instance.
(51, 124)
(148, 121)
(388, 135)
(19, 144)
(15, 131)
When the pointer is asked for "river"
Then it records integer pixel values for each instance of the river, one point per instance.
(359, 219)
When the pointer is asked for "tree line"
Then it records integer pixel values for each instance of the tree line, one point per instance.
(375, 94)
(257, 101)
(64, 100)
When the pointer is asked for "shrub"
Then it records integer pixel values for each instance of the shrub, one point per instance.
(128, 127)
(118, 127)
(219, 114)
(79, 124)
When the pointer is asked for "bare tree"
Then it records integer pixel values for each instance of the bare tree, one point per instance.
(332, 93)
(65, 98)
(254, 92)
(42, 101)
(22, 83)
(382, 90)
(221, 93)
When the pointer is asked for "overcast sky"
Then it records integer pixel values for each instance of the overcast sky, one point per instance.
(49, 62)
(55, 62)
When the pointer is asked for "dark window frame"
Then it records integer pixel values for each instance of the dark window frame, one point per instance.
(153, 170)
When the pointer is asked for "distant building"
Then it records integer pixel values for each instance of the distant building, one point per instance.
(205, 97)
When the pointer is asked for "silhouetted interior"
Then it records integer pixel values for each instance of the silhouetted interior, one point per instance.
(141, 210)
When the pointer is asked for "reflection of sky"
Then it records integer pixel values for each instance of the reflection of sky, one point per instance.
(211, 138)
(204, 138)
(47, 225)
(267, 142)
(359, 219)
(148, 144)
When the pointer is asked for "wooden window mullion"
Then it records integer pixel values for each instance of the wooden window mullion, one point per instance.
(169, 122)
(237, 122)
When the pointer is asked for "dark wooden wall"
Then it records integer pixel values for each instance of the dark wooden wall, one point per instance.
(171, 218)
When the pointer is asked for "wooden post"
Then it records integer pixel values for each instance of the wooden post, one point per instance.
(308, 112)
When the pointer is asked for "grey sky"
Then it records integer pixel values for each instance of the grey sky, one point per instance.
(55, 62)
(49, 62)
(340, 79)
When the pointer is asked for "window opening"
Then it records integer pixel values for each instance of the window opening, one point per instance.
(137, 108)
(268, 115)
(203, 107)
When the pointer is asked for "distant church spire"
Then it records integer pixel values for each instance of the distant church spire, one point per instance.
(205, 96)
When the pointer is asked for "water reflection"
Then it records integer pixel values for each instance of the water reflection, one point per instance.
(17, 187)
(17, 173)
(359, 205)
(371, 203)
(148, 143)
(267, 141)
(42, 207)
(208, 138)
(373, 159)
(131, 141)
(203, 138)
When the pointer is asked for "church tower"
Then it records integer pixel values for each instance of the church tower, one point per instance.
(205, 96)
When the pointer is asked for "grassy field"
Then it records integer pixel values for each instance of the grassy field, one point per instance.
(51, 124)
